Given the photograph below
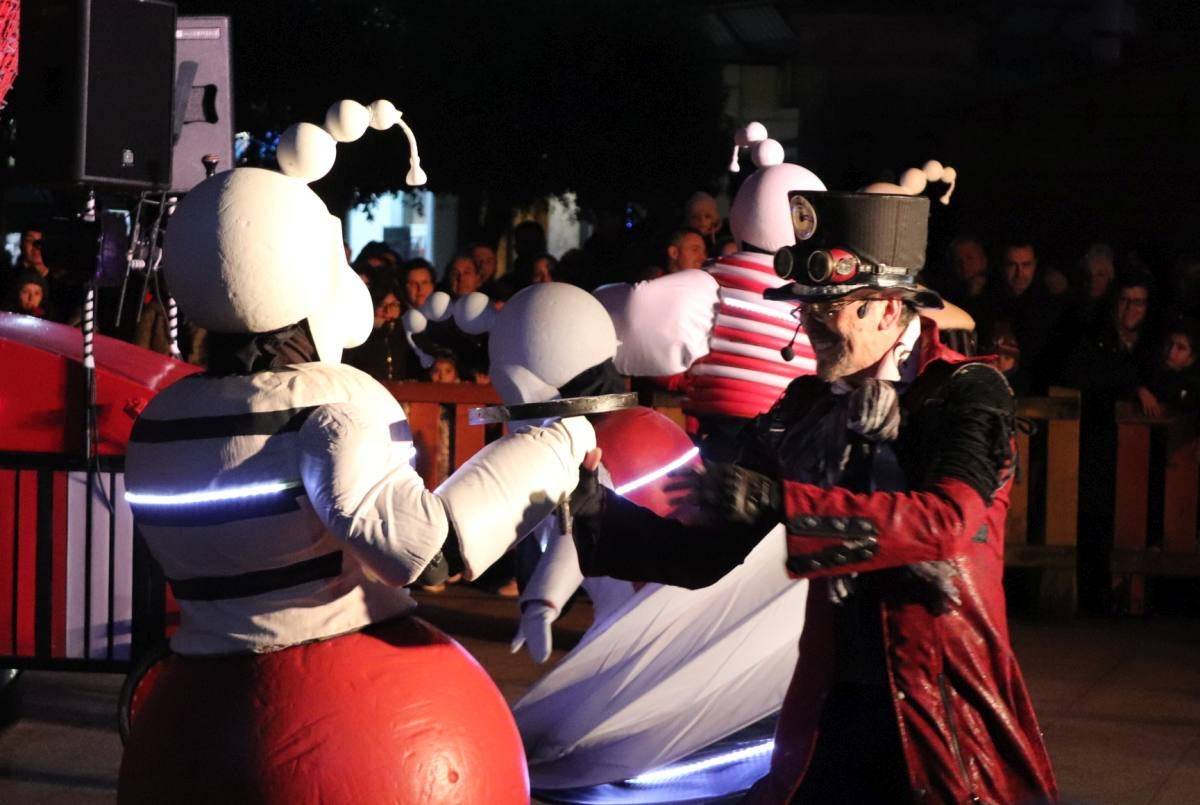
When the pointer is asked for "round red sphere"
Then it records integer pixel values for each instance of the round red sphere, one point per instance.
(396, 713)
(638, 446)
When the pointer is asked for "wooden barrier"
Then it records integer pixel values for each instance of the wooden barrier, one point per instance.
(1041, 531)
(444, 408)
(1043, 535)
(1145, 497)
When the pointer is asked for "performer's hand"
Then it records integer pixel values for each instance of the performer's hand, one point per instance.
(591, 461)
(1150, 404)
(534, 630)
(739, 495)
(585, 509)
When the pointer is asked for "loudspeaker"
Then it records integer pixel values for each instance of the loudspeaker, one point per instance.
(203, 99)
(93, 97)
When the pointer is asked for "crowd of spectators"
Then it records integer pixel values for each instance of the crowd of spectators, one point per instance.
(1107, 326)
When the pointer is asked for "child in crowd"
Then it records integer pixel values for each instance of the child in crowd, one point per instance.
(29, 295)
(444, 368)
(1173, 383)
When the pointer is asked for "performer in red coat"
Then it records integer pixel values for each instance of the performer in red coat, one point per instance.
(890, 471)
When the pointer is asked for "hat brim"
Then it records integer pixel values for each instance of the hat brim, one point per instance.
(918, 295)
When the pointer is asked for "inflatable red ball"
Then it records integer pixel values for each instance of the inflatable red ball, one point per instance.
(640, 447)
(396, 713)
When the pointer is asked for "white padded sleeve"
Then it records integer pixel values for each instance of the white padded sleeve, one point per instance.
(360, 483)
(663, 325)
(509, 486)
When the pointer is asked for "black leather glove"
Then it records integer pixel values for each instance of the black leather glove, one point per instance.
(739, 495)
(435, 573)
(582, 515)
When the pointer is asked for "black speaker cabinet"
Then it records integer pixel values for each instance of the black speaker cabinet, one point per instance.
(203, 99)
(93, 97)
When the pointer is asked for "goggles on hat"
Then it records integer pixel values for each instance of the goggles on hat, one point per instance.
(833, 266)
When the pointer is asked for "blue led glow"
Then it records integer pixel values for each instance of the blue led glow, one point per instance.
(210, 495)
(638, 483)
(676, 772)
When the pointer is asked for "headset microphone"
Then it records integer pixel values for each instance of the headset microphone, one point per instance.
(787, 352)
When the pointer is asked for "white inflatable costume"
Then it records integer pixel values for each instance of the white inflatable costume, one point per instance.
(283, 507)
(662, 671)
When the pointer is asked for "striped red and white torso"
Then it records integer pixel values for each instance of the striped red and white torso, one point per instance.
(744, 373)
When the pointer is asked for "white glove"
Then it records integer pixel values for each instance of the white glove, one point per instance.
(511, 485)
(554, 580)
(354, 462)
(534, 631)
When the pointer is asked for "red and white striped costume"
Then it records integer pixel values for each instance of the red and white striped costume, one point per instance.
(744, 373)
(714, 325)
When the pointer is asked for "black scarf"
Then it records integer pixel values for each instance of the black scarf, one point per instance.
(603, 378)
(248, 353)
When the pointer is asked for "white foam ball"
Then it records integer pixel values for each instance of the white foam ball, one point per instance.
(913, 181)
(767, 153)
(751, 133)
(474, 313)
(384, 114)
(306, 152)
(437, 306)
(414, 321)
(347, 120)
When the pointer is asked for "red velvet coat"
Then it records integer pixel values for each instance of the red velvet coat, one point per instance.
(966, 722)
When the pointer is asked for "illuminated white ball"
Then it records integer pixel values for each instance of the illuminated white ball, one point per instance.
(347, 120)
(767, 153)
(750, 133)
(306, 152)
(384, 115)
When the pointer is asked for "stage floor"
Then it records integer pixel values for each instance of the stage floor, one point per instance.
(1119, 702)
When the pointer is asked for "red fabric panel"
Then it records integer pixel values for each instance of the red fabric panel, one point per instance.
(58, 572)
(8, 482)
(26, 599)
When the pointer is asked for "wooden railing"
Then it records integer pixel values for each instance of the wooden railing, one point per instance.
(1041, 529)
(1155, 515)
(428, 406)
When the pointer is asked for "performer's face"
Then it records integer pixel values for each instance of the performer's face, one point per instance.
(846, 343)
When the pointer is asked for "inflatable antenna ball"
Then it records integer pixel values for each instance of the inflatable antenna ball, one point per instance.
(277, 493)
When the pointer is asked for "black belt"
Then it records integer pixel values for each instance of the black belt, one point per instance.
(257, 582)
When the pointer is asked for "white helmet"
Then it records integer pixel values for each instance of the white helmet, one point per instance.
(761, 217)
(251, 250)
(544, 336)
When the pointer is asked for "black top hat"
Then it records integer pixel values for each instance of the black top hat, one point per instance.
(849, 241)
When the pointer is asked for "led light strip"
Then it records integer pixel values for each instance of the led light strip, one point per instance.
(638, 483)
(669, 774)
(211, 495)
(763, 310)
(408, 453)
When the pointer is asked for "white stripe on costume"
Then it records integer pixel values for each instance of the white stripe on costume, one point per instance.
(751, 376)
